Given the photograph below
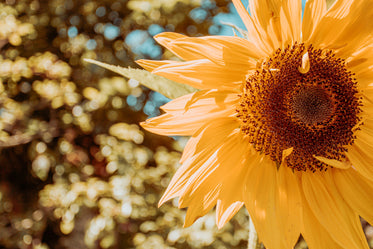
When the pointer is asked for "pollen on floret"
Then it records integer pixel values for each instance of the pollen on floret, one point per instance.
(305, 65)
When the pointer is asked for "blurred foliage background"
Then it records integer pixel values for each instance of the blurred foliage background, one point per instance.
(77, 171)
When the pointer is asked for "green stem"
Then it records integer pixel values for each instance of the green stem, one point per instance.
(253, 242)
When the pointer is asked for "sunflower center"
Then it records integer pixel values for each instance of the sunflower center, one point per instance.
(312, 110)
(312, 105)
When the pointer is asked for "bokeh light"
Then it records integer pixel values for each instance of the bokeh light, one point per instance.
(77, 171)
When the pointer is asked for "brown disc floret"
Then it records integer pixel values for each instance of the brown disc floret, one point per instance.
(313, 112)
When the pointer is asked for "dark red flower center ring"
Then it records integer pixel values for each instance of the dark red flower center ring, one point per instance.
(285, 104)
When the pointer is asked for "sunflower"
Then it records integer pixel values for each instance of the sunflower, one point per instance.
(282, 122)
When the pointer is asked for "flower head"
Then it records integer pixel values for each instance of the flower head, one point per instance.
(282, 123)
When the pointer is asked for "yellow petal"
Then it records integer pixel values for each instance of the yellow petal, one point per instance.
(287, 36)
(201, 208)
(344, 28)
(357, 191)
(204, 187)
(257, 35)
(360, 153)
(223, 50)
(213, 76)
(245, 16)
(227, 158)
(230, 198)
(361, 63)
(262, 11)
(330, 209)
(219, 128)
(335, 163)
(313, 12)
(150, 65)
(211, 100)
(364, 78)
(208, 139)
(367, 101)
(273, 201)
(316, 236)
(165, 38)
(266, 17)
(199, 108)
(225, 213)
(289, 206)
(293, 12)
(277, 21)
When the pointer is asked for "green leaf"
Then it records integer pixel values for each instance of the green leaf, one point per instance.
(235, 28)
(329, 3)
(168, 88)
